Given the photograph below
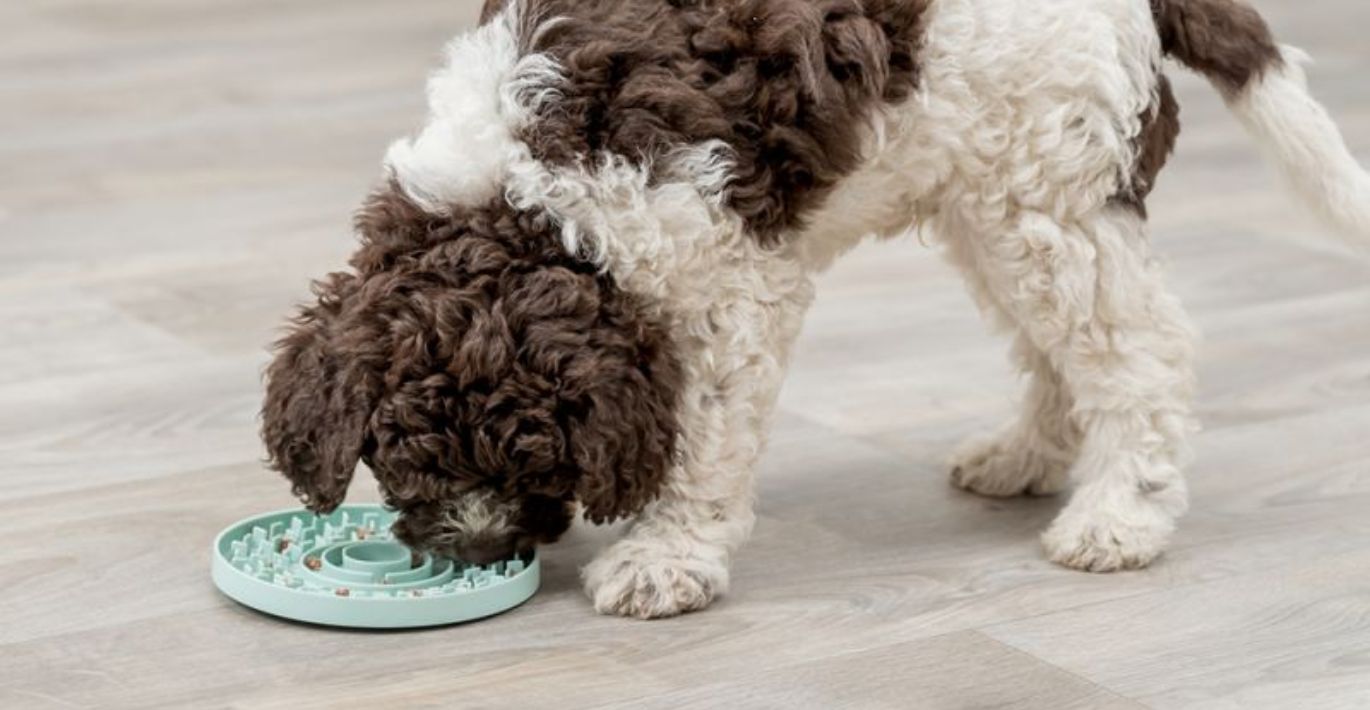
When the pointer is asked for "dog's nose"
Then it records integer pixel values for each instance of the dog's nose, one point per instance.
(484, 551)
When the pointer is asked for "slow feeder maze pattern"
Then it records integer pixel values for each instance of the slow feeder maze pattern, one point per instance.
(355, 558)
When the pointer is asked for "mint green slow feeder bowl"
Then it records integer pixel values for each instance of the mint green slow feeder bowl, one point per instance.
(346, 569)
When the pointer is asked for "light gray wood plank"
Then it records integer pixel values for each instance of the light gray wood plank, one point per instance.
(1294, 636)
(952, 672)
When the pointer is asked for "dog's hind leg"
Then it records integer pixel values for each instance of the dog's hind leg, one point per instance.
(1085, 293)
(1033, 454)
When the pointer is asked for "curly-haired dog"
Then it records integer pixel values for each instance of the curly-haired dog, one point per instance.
(580, 282)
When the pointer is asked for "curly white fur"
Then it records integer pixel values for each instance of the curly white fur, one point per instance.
(734, 308)
(477, 103)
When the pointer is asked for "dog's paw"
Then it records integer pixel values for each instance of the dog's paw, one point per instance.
(1004, 466)
(637, 579)
(1099, 541)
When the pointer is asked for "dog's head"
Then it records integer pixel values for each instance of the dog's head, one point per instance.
(489, 380)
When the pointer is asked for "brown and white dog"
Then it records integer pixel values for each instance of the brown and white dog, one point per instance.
(578, 285)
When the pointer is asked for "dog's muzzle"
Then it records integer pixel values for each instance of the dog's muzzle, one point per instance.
(478, 529)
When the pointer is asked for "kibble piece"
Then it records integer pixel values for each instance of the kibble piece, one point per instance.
(342, 591)
(313, 563)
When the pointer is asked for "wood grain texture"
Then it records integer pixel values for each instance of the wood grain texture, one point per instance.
(173, 172)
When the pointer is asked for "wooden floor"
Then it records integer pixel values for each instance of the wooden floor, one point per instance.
(172, 172)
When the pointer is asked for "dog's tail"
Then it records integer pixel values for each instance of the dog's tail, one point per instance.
(1229, 43)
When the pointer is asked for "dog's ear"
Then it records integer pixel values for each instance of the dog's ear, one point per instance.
(320, 394)
(615, 478)
(624, 444)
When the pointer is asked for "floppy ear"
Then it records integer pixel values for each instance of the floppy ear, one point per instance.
(621, 463)
(624, 444)
(320, 394)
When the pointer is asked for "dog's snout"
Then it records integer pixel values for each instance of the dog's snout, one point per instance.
(478, 528)
(486, 550)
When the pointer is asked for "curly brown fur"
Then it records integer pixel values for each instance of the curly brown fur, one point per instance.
(786, 84)
(490, 8)
(1225, 40)
(469, 354)
(320, 389)
(1154, 145)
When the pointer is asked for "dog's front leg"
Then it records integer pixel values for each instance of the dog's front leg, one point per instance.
(675, 557)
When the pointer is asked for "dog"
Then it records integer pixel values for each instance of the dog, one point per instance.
(578, 285)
